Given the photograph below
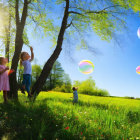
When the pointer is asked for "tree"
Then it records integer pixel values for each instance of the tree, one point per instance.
(56, 75)
(36, 70)
(25, 13)
(22, 11)
(67, 83)
(57, 78)
(88, 87)
(20, 24)
(104, 20)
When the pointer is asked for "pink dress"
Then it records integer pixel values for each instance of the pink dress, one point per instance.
(4, 80)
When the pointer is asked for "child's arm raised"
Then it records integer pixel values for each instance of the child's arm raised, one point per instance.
(32, 54)
(2, 71)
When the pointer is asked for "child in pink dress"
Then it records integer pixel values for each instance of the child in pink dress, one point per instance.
(4, 79)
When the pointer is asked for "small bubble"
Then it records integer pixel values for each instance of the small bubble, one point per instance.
(138, 32)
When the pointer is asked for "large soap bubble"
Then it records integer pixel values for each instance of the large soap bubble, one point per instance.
(86, 67)
(138, 70)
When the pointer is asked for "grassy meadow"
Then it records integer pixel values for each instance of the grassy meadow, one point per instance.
(54, 117)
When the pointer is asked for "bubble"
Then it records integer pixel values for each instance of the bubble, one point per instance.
(86, 67)
(138, 32)
(138, 70)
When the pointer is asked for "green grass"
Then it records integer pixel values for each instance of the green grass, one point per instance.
(54, 117)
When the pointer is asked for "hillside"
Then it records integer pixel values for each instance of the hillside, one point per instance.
(54, 117)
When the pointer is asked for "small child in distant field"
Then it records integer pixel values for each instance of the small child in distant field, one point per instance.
(26, 62)
(4, 78)
(75, 95)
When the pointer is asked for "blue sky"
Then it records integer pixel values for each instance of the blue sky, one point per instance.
(115, 66)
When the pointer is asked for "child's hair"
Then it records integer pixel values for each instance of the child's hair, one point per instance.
(1, 59)
(21, 57)
(74, 88)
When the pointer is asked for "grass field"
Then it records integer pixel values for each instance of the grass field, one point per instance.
(54, 117)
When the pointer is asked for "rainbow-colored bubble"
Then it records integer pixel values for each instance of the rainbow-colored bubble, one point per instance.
(138, 32)
(138, 70)
(86, 67)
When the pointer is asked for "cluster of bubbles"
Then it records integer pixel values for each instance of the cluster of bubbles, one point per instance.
(86, 67)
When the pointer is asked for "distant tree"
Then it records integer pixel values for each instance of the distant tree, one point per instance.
(56, 76)
(89, 87)
(76, 83)
(67, 83)
(36, 70)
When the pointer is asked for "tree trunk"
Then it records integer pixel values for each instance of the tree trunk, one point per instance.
(37, 87)
(13, 78)
(18, 46)
(50, 80)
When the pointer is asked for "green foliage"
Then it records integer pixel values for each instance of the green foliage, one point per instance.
(127, 4)
(88, 87)
(66, 85)
(36, 70)
(25, 38)
(55, 77)
(64, 88)
(105, 18)
(59, 80)
(133, 116)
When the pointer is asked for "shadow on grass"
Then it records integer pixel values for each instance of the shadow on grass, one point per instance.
(30, 122)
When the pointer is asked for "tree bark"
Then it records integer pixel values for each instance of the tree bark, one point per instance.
(37, 87)
(18, 46)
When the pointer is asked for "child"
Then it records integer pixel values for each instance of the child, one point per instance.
(4, 79)
(26, 62)
(75, 95)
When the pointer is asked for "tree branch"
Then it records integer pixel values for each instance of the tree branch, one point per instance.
(24, 13)
(69, 24)
(91, 12)
(17, 12)
(103, 10)
(111, 6)
(73, 12)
